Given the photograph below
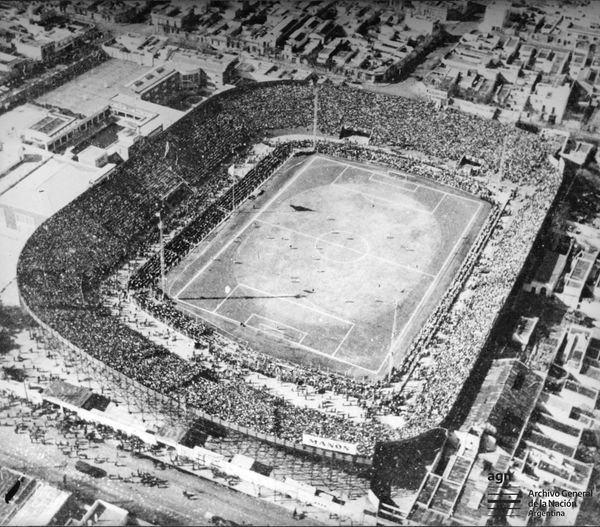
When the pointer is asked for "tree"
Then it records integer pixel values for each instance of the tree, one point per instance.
(6, 342)
(12, 318)
(14, 373)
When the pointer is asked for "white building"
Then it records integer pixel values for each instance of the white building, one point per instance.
(496, 15)
(93, 156)
(32, 191)
(550, 101)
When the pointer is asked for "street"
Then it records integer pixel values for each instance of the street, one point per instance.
(164, 505)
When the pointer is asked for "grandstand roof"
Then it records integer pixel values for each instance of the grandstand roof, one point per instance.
(74, 395)
(173, 432)
(51, 186)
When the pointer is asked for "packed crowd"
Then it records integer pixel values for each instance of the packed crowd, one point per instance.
(215, 213)
(21, 88)
(65, 261)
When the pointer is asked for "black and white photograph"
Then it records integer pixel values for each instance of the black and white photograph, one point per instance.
(300, 262)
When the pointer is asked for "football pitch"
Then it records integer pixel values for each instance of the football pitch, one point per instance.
(331, 264)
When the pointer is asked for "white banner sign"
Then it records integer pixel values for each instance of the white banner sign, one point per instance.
(329, 444)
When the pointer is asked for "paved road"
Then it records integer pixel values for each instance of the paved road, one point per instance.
(164, 506)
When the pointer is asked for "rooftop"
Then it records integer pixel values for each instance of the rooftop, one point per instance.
(104, 513)
(69, 393)
(33, 499)
(50, 186)
(149, 79)
(505, 400)
(90, 93)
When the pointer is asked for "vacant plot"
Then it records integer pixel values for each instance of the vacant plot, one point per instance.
(333, 264)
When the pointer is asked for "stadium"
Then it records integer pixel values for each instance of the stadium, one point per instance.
(374, 271)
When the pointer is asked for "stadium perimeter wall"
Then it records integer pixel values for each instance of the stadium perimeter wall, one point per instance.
(152, 395)
(99, 367)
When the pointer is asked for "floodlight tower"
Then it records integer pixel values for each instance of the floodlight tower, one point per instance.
(315, 112)
(394, 326)
(162, 253)
(174, 166)
(503, 159)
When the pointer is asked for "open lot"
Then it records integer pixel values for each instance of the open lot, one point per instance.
(332, 265)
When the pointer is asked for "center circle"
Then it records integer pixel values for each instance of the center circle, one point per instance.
(341, 246)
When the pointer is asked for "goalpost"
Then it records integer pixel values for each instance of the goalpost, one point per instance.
(391, 352)
(397, 175)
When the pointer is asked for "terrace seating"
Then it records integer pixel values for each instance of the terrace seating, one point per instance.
(65, 261)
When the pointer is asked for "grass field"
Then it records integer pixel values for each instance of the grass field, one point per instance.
(332, 264)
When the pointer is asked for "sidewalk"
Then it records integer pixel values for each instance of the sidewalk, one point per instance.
(40, 365)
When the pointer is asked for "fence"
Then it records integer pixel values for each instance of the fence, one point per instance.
(288, 488)
(143, 393)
